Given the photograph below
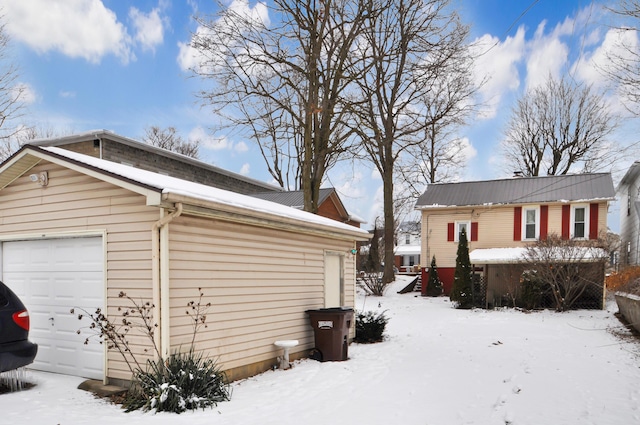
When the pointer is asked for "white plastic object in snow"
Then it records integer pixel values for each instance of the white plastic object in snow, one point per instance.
(285, 345)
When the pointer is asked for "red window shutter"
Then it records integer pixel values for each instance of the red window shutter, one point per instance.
(450, 231)
(517, 223)
(474, 231)
(566, 220)
(544, 222)
(593, 221)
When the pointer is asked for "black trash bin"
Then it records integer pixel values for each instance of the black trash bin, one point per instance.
(331, 332)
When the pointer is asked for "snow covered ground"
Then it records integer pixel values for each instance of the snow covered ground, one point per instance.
(438, 366)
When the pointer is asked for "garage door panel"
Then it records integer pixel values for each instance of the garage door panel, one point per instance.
(52, 277)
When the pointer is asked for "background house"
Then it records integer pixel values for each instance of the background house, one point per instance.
(329, 204)
(407, 247)
(505, 214)
(628, 192)
(76, 230)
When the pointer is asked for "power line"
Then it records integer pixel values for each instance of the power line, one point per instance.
(513, 24)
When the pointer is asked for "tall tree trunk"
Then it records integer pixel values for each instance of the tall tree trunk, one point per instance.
(389, 221)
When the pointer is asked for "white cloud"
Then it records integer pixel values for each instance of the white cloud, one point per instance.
(468, 151)
(547, 55)
(591, 65)
(246, 169)
(66, 94)
(241, 147)
(190, 58)
(24, 93)
(149, 28)
(207, 141)
(496, 68)
(76, 28)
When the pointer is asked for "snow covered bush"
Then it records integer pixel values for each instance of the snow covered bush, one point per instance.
(184, 381)
(370, 327)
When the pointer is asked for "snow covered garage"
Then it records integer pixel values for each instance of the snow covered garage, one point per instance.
(75, 231)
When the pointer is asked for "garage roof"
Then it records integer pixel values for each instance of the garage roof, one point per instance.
(162, 190)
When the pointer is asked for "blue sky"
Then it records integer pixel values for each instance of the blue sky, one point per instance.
(121, 66)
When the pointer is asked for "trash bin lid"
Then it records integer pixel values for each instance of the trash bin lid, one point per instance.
(331, 310)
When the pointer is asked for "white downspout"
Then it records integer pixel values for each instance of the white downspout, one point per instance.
(160, 276)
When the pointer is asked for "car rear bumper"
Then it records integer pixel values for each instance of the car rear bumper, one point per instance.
(17, 354)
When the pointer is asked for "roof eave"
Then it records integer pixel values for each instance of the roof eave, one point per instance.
(236, 214)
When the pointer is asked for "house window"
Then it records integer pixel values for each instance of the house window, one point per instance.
(466, 225)
(530, 223)
(579, 221)
(407, 239)
(412, 260)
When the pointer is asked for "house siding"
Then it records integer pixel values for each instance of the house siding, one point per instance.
(259, 288)
(260, 281)
(72, 203)
(629, 223)
(496, 229)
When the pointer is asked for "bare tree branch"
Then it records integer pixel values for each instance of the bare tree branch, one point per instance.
(559, 127)
(284, 82)
(411, 48)
(169, 139)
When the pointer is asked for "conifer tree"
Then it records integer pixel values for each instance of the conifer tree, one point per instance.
(462, 291)
(434, 286)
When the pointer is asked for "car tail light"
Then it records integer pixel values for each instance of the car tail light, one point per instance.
(22, 319)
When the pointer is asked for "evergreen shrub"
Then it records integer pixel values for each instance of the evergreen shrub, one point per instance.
(370, 327)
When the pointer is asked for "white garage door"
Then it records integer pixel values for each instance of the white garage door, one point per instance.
(51, 276)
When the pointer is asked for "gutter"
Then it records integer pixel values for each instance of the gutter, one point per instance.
(160, 276)
(239, 214)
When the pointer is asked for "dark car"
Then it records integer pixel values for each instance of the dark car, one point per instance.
(15, 348)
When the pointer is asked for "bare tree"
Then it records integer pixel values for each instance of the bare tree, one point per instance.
(283, 81)
(12, 95)
(169, 139)
(445, 108)
(24, 134)
(559, 127)
(570, 268)
(409, 47)
(623, 64)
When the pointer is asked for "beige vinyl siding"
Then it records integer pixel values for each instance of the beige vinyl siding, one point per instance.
(260, 283)
(74, 204)
(495, 229)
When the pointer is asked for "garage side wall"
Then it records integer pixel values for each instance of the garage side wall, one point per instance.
(259, 281)
(74, 204)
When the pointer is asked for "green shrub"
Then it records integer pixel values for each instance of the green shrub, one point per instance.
(186, 381)
(370, 326)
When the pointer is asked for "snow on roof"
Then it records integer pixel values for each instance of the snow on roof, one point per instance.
(497, 255)
(173, 185)
(518, 255)
(407, 250)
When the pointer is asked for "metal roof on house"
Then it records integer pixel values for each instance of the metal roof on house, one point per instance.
(519, 190)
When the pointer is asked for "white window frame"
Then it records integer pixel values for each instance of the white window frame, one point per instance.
(457, 230)
(536, 209)
(573, 221)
